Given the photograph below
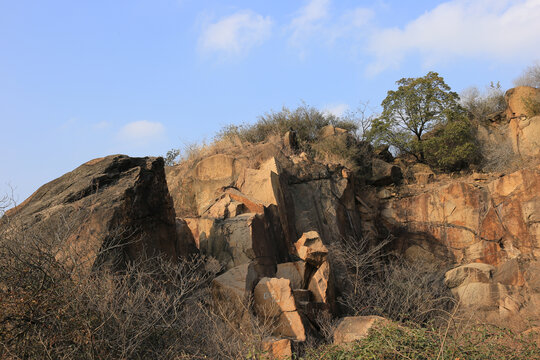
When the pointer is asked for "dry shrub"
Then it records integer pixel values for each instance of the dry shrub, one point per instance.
(342, 150)
(530, 76)
(499, 157)
(152, 309)
(305, 120)
(391, 286)
(481, 104)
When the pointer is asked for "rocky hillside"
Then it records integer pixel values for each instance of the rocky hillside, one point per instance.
(271, 216)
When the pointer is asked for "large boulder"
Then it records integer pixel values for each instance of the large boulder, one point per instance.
(243, 239)
(295, 272)
(506, 294)
(311, 248)
(273, 298)
(518, 100)
(115, 208)
(383, 173)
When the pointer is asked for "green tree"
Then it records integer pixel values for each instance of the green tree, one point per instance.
(414, 109)
(451, 146)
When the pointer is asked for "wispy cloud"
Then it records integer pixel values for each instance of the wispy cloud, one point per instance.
(502, 30)
(236, 34)
(308, 20)
(316, 24)
(141, 133)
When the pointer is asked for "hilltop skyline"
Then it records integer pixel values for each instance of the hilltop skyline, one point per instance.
(87, 79)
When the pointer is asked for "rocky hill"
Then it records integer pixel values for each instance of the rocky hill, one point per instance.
(272, 216)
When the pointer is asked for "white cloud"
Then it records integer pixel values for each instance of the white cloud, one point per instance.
(502, 30)
(316, 24)
(236, 34)
(308, 20)
(336, 109)
(141, 132)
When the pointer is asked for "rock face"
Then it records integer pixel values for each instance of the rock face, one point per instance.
(466, 222)
(518, 100)
(517, 126)
(113, 202)
(508, 293)
(257, 209)
(277, 348)
(273, 299)
(384, 173)
(524, 133)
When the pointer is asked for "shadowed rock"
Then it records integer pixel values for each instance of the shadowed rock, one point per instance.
(115, 208)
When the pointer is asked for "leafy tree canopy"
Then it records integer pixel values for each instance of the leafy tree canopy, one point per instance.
(414, 109)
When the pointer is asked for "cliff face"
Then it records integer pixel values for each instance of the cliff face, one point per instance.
(488, 221)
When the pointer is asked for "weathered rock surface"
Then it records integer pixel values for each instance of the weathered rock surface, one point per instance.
(273, 298)
(277, 348)
(116, 201)
(507, 294)
(516, 128)
(384, 173)
(311, 249)
(524, 132)
(233, 285)
(517, 101)
(354, 328)
(295, 272)
(465, 222)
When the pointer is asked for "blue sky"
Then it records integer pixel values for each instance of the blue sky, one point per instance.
(87, 78)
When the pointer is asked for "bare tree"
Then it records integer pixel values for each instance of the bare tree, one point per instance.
(530, 76)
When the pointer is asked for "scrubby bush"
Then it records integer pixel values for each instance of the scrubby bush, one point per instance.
(153, 309)
(499, 156)
(452, 146)
(532, 106)
(390, 286)
(482, 104)
(305, 120)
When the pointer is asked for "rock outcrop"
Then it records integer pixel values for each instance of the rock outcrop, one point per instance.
(506, 294)
(518, 127)
(111, 209)
(467, 221)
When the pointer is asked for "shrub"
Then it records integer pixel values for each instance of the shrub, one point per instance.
(305, 120)
(452, 146)
(391, 287)
(530, 76)
(153, 309)
(481, 105)
(499, 156)
(532, 106)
